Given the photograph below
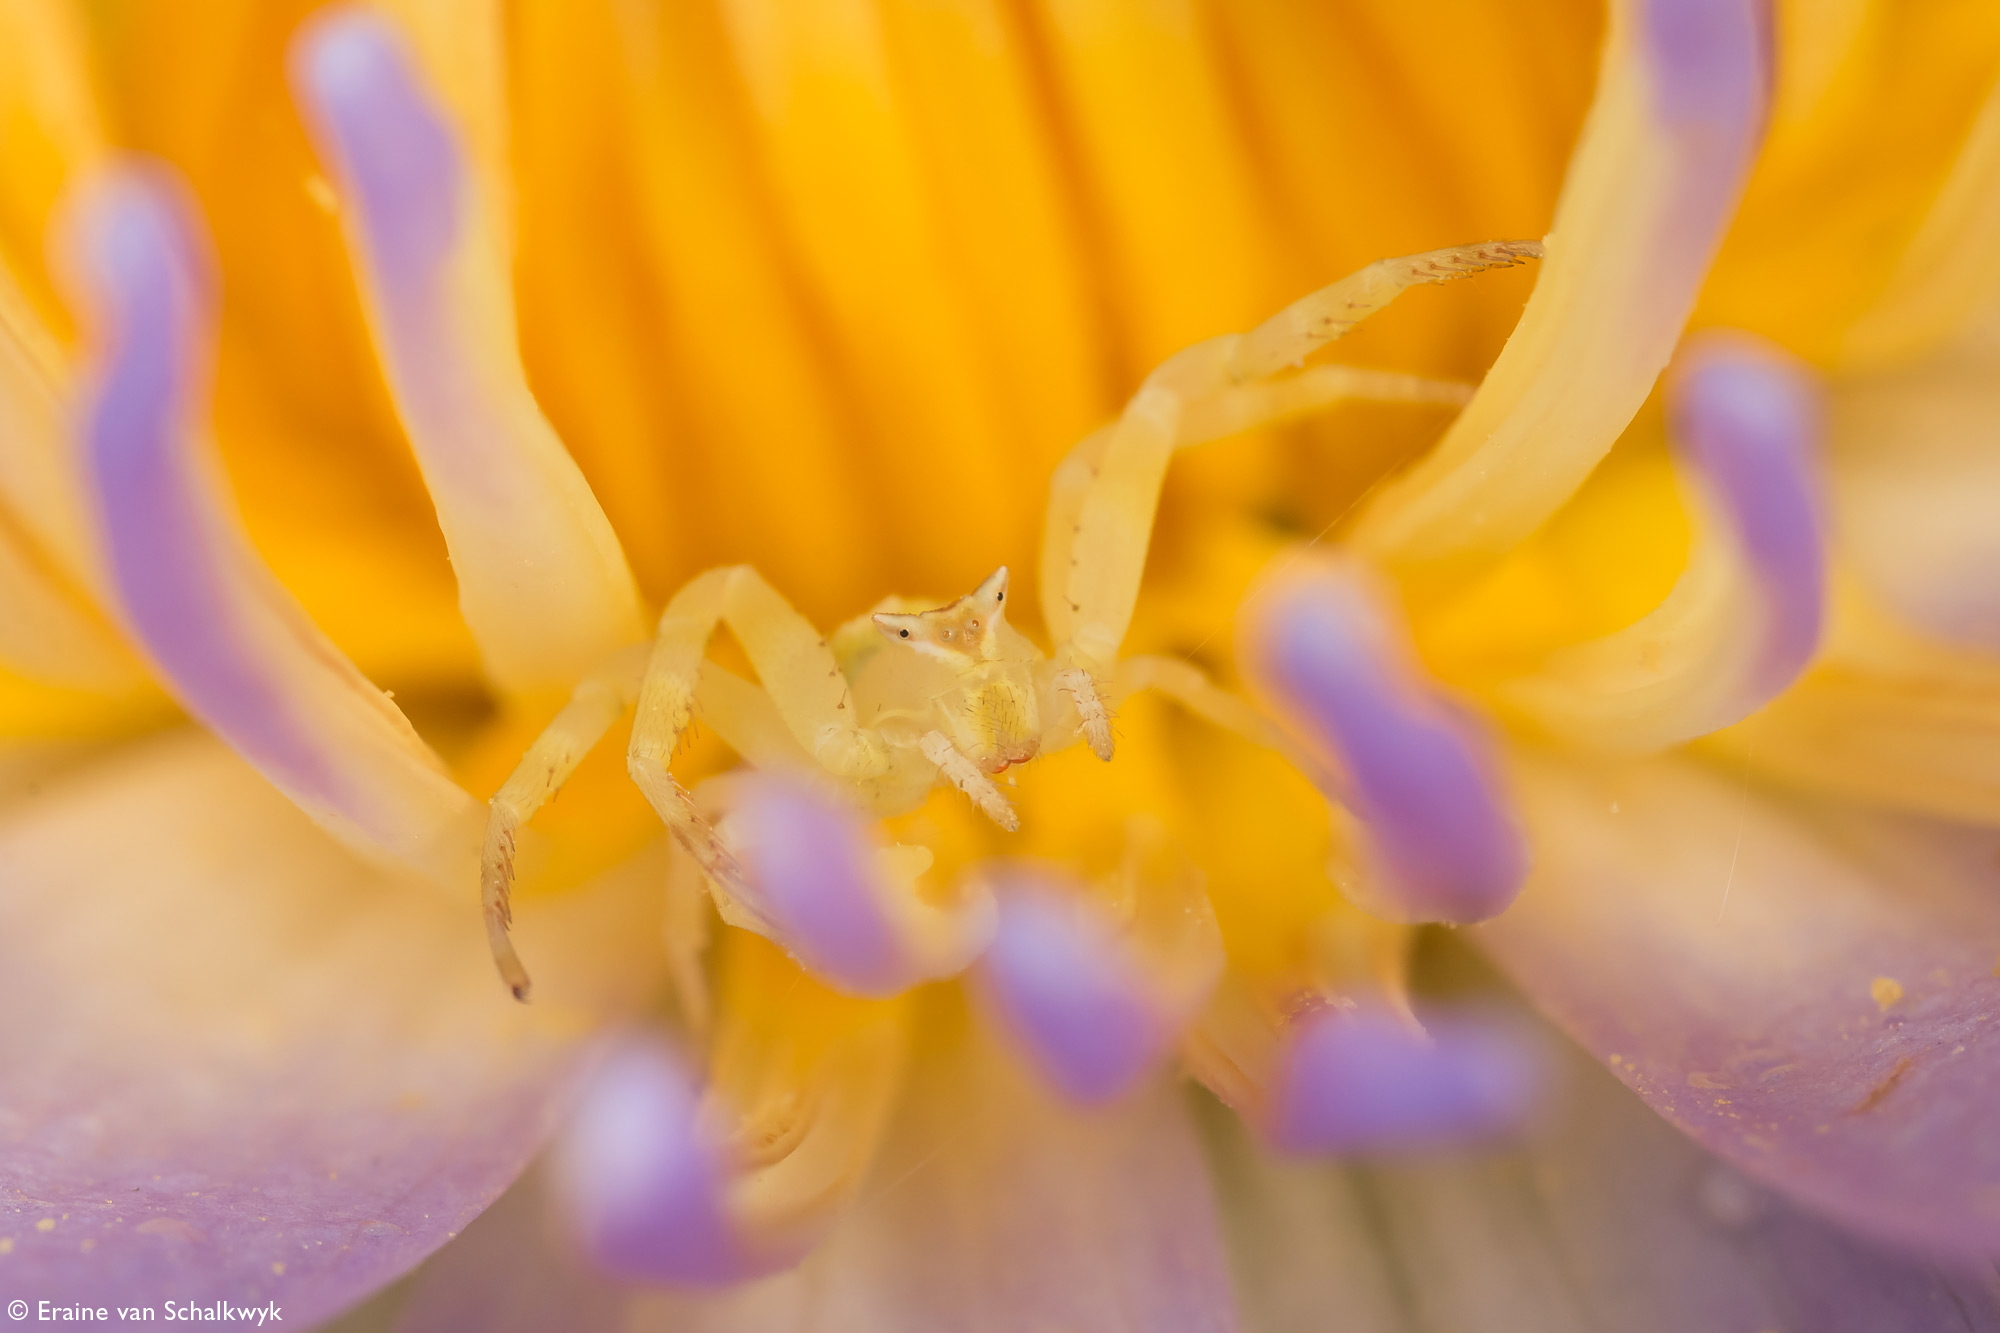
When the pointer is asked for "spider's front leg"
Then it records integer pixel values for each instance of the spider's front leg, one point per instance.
(967, 776)
(597, 702)
(1103, 497)
(798, 671)
(799, 674)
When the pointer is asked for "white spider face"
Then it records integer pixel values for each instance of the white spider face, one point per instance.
(989, 708)
(961, 635)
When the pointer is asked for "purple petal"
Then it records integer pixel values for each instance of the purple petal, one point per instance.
(515, 1271)
(1368, 1081)
(642, 1183)
(827, 898)
(1605, 1218)
(1750, 418)
(542, 580)
(242, 1065)
(1420, 777)
(233, 647)
(1818, 1019)
(1072, 993)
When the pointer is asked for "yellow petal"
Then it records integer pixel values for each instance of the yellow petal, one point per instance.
(845, 164)
(1844, 188)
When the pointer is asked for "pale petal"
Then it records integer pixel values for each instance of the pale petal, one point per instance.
(1323, 643)
(241, 1065)
(39, 493)
(1679, 115)
(515, 1270)
(1744, 617)
(232, 646)
(1817, 1022)
(49, 630)
(1605, 1219)
(1916, 478)
(542, 580)
(666, 1176)
(995, 1207)
(1887, 716)
(1951, 271)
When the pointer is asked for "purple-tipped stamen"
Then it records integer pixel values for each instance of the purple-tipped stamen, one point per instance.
(232, 647)
(1368, 1081)
(826, 895)
(389, 147)
(1707, 67)
(815, 867)
(1420, 776)
(1750, 419)
(1710, 64)
(542, 580)
(639, 1178)
(1074, 996)
(1652, 187)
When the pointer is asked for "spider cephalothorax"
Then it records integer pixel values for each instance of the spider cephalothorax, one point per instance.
(898, 700)
(974, 672)
(961, 635)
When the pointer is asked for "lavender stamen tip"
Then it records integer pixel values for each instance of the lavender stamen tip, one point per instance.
(1370, 1082)
(1421, 777)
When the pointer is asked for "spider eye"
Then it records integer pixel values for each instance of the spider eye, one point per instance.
(975, 624)
(905, 633)
(1000, 597)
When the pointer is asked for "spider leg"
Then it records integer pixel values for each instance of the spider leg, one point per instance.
(969, 778)
(1105, 493)
(799, 675)
(593, 706)
(1228, 411)
(1311, 322)
(1093, 717)
(747, 721)
(1188, 686)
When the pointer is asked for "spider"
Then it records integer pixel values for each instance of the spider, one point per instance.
(904, 697)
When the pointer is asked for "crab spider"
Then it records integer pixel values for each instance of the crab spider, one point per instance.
(904, 697)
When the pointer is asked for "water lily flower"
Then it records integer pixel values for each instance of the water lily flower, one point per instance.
(394, 400)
